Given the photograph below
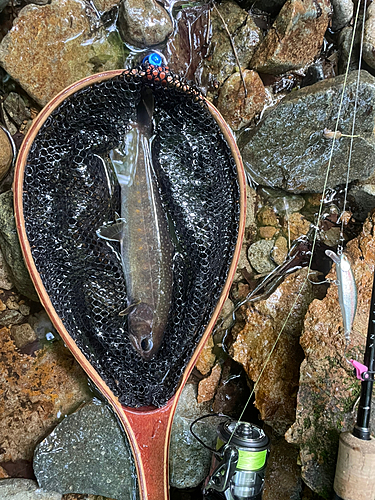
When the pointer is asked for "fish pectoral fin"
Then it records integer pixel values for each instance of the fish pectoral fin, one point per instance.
(113, 232)
(129, 309)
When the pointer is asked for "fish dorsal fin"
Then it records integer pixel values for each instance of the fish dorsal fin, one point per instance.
(113, 232)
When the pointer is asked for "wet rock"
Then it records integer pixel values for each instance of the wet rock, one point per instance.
(10, 317)
(259, 256)
(143, 23)
(207, 387)
(270, 6)
(6, 154)
(342, 13)
(11, 248)
(237, 109)
(364, 196)
(106, 5)
(296, 225)
(267, 232)
(345, 42)
(42, 326)
(232, 391)
(206, 358)
(35, 391)
(267, 217)
(189, 461)
(25, 489)
(16, 108)
(328, 389)
(331, 237)
(287, 204)
(275, 395)
(22, 334)
(6, 282)
(71, 48)
(284, 162)
(3, 4)
(369, 38)
(280, 250)
(187, 50)
(285, 46)
(88, 453)
(283, 475)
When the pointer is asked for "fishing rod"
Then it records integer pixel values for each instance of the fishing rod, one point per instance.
(355, 467)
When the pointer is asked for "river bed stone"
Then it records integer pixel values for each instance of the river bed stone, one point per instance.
(284, 47)
(342, 13)
(200, 48)
(6, 154)
(11, 249)
(35, 391)
(87, 453)
(276, 392)
(328, 389)
(143, 23)
(237, 109)
(293, 154)
(369, 38)
(25, 489)
(63, 46)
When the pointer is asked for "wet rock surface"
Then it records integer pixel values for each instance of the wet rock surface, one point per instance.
(25, 489)
(276, 392)
(259, 256)
(144, 23)
(369, 40)
(36, 390)
(328, 390)
(283, 476)
(87, 453)
(342, 13)
(6, 154)
(57, 37)
(283, 48)
(294, 155)
(237, 109)
(11, 249)
(189, 461)
(201, 47)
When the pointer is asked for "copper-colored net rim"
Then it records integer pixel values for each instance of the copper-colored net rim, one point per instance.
(124, 413)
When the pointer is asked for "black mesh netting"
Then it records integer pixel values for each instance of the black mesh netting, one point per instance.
(66, 199)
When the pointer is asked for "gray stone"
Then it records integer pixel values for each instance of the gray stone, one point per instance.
(364, 195)
(24, 489)
(144, 23)
(10, 246)
(189, 461)
(11, 317)
(87, 453)
(3, 4)
(16, 108)
(287, 204)
(6, 282)
(344, 42)
(369, 39)
(259, 256)
(290, 149)
(342, 13)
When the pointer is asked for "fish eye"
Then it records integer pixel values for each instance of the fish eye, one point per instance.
(146, 344)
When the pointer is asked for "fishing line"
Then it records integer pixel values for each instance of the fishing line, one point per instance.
(339, 249)
(316, 227)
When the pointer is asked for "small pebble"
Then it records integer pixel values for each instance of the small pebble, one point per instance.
(12, 303)
(24, 309)
(267, 217)
(280, 250)
(6, 154)
(298, 226)
(288, 204)
(259, 256)
(23, 334)
(267, 232)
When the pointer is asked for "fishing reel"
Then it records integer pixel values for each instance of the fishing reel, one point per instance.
(239, 462)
